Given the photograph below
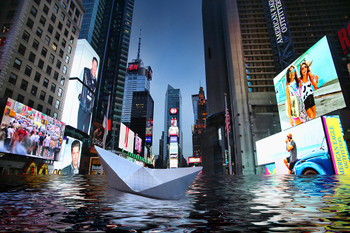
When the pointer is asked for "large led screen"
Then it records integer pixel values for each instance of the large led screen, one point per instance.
(69, 161)
(310, 154)
(309, 87)
(126, 138)
(26, 131)
(82, 85)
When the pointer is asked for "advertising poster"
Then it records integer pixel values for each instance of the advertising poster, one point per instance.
(309, 154)
(309, 87)
(149, 131)
(69, 160)
(138, 144)
(173, 139)
(173, 149)
(81, 87)
(26, 131)
(173, 131)
(338, 149)
(126, 138)
(97, 137)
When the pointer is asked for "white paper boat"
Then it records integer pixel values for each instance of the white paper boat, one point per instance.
(130, 177)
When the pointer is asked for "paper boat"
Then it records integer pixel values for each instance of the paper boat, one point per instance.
(130, 177)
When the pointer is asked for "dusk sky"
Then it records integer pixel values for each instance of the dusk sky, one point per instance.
(172, 44)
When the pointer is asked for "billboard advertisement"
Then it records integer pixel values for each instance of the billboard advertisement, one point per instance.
(26, 131)
(138, 144)
(69, 160)
(306, 149)
(173, 139)
(82, 85)
(173, 149)
(309, 87)
(97, 137)
(194, 159)
(126, 138)
(173, 131)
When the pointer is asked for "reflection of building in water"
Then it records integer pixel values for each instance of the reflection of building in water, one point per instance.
(38, 40)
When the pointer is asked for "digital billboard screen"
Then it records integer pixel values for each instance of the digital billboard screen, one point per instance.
(69, 161)
(138, 144)
(82, 85)
(309, 87)
(26, 131)
(126, 138)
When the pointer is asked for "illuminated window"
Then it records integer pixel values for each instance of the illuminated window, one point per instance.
(57, 104)
(59, 92)
(54, 47)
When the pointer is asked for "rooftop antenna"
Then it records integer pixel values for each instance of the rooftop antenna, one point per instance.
(138, 51)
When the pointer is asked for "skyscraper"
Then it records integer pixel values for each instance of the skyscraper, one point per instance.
(172, 147)
(238, 45)
(38, 40)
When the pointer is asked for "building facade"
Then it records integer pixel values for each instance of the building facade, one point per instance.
(243, 42)
(38, 40)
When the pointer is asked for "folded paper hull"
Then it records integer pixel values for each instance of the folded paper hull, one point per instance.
(130, 177)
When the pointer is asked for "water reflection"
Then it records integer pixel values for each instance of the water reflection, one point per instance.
(212, 204)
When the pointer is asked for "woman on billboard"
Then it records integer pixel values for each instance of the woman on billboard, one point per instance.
(294, 102)
(308, 79)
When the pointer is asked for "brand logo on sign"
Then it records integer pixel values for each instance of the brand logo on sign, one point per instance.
(173, 110)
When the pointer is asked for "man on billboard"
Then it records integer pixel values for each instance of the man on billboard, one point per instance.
(75, 153)
(87, 96)
(292, 149)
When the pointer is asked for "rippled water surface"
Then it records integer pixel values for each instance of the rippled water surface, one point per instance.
(79, 203)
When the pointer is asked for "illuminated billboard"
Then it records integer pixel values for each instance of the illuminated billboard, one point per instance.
(138, 144)
(173, 149)
(309, 87)
(126, 138)
(194, 159)
(97, 137)
(173, 131)
(26, 131)
(82, 85)
(306, 149)
(69, 161)
(173, 139)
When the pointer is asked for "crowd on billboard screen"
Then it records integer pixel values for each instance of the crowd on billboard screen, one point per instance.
(26, 131)
(309, 87)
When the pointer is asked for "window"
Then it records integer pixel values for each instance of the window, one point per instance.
(73, 30)
(59, 93)
(40, 107)
(44, 51)
(48, 70)
(41, 64)
(58, 64)
(32, 57)
(54, 47)
(53, 87)
(31, 103)
(48, 112)
(30, 23)
(61, 53)
(42, 21)
(46, 9)
(71, 40)
(64, 70)
(34, 11)
(20, 98)
(34, 90)
(21, 49)
(55, 115)
(50, 99)
(62, 80)
(47, 40)
(57, 36)
(25, 36)
(13, 79)
(37, 2)
(10, 14)
(53, 18)
(55, 75)
(42, 95)
(39, 31)
(51, 58)
(64, 43)
(49, 1)
(46, 82)
(69, 49)
(37, 77)
(35, 44)
(8, 93)
(55, 8)
(68, 23)
(50, 28)
(24, 85)
(57, 104)
(67, 59)
(65, 32)
(17, 64)
(28, 71)
(60, 25)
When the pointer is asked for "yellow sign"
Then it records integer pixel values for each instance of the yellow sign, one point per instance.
(337, 145)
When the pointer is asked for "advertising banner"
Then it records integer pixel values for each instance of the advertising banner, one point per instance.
(173, 139)
(95, 166)
(309, 87)
(338, 149)
(148, 139)
(69, 160)
(173, 131)
(126, 138)
(173, 163)
(194, 159)
(26, 131)
(138, 144)
(82, 85)
(299, 150)
(173, 149)
(97, 137)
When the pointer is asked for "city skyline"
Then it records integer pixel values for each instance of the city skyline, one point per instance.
(173, 47)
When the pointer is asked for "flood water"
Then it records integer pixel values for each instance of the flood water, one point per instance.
(56, 203)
